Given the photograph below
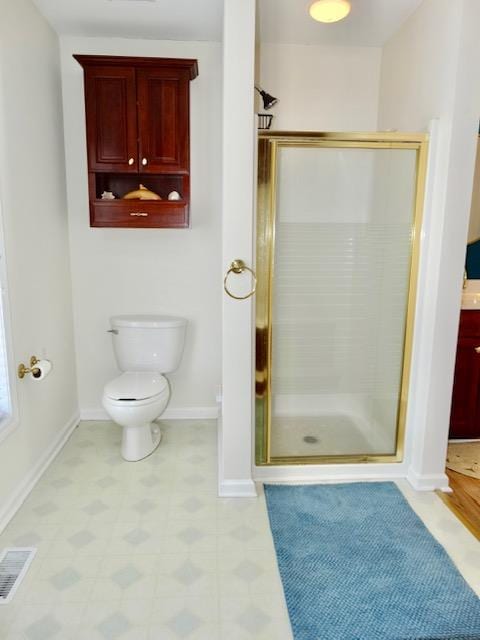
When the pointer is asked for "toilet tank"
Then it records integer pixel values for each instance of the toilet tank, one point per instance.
(148, 342)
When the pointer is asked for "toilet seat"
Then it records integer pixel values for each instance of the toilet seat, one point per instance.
(136, 388)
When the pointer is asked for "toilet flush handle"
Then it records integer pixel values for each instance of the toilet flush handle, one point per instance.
(115, 331)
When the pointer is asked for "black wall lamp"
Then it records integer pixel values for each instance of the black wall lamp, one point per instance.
(268, 100)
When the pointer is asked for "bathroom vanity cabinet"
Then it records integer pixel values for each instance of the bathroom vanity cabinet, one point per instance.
(137, 123)
(465, 414)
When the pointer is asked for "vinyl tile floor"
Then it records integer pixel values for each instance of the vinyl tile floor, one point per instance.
(146, 551)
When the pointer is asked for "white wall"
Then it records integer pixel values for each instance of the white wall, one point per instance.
(474, 225)
(429, 70)
(174, 271)
(321, 88)
(238, 237)
(418, 67)
(33, 206)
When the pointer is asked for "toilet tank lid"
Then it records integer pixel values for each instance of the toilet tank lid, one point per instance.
(147, 321)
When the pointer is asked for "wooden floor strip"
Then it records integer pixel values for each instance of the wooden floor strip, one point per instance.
(464, 501)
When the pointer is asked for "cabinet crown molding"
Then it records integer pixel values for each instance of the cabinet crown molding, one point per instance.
(189, 64)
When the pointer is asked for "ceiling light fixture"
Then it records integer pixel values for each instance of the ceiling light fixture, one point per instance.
(330, 10)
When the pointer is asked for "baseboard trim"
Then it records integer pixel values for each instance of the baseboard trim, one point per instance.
(237, 489)
(30, 480)
(429, 482)
(191, 413)
(185, 413)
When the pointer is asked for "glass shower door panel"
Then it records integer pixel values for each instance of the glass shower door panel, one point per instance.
(342, 255)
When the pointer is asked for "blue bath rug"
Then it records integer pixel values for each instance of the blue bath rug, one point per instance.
(358, 564)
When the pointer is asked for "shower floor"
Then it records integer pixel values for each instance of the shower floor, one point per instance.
(320, 435)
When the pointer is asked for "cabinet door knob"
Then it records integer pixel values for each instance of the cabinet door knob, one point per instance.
(477, 349)
(144, 162)
(131, 161)
(139, 214)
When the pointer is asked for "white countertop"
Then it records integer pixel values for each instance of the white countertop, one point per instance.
(471, 295)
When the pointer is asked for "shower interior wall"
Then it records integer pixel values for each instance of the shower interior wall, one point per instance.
(354, 349)
(340, 290)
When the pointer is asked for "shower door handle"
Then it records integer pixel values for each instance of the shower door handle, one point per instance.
(238, 266)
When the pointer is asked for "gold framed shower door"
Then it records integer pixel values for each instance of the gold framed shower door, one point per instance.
(269, 144)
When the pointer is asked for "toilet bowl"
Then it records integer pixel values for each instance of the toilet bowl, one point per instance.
(134, 401)
(145, 347)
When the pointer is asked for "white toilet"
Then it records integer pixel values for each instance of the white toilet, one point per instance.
(146, 347)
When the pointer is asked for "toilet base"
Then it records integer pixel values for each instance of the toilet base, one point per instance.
(140, 442)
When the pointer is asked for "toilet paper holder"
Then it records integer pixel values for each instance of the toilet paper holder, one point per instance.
(23, 370)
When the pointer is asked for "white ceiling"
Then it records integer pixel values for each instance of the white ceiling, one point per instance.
(152, 19)
(370, 23)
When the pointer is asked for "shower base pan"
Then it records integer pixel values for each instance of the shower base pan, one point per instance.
(339, 425)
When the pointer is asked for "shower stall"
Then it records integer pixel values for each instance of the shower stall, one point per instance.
(338, 231)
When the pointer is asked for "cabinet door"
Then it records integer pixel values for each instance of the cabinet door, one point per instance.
(465, 415)
(163, 120)
(110, 97)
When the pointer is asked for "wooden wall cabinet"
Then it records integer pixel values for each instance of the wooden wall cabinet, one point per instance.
(465, 413)
(137, 121)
